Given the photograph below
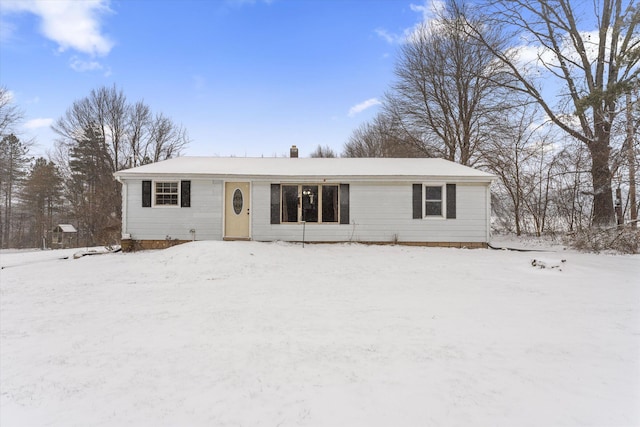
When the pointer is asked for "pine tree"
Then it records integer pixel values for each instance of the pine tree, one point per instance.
(92, 191)
(42, 197)
(13, 164)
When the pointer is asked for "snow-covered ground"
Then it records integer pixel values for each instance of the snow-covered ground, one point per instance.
(273, 334)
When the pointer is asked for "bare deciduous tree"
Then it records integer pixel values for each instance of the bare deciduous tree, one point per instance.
(449, 89)
(326, 152)
(593, 57)
(631, 140)
(543, 175)
(572, 204)
(10, 114)
(99, 135)
(521, 155)
(166, 139)
(139, 123)
(132, 135)
(382, 137)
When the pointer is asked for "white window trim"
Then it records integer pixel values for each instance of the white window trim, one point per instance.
(443, 210)
(153, 194)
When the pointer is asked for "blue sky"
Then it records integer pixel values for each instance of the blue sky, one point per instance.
(243, 77)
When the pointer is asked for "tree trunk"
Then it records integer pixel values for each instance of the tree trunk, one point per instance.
(517, 220)
(631, 158)
(603, 212)
(7, 213)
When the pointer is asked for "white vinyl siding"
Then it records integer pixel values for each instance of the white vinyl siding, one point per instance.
(381, 213)
(204, 216)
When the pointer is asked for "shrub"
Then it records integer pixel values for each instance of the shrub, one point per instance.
(620, 240)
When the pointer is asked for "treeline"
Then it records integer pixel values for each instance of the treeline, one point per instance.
(98, 135)
(557, 124)
(514, 87)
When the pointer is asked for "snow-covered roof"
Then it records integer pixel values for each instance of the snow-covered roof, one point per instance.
(65, 228)
(306, 168)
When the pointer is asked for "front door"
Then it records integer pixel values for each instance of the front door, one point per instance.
(236, 212)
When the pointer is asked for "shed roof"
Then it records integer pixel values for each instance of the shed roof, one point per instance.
(65, 228)
(307, 168)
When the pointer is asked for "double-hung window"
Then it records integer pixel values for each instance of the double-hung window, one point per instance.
(434, 200)
(166, 193)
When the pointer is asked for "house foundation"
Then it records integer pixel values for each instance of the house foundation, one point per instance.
(132, 245)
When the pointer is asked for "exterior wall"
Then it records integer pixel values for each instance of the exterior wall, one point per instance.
(174, 223)
(381, 213)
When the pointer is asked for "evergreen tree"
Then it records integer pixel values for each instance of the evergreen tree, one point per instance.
(99, 135)
(13, 164)
(92, 191)
(42, 196)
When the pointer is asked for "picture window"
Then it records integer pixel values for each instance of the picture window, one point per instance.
(310, 203)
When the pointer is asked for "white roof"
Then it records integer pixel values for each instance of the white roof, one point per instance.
(306, 168)
(65, 228)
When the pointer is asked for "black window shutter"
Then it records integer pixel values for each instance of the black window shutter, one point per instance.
(185, 194)
(417, 201)
(344, 203)
(275, 203)
(451, 201)
(146, 194)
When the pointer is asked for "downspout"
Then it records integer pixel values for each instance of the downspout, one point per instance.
(124, 235)
(488, 226)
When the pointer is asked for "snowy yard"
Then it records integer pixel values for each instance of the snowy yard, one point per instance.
(273, 334)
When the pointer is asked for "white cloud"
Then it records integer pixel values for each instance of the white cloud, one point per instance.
(536, 58)
(393, 38)
(387, 36)
(363, 106)
(72, 24)
(38, 123)
(427, 10)
(7, 30)
(80, 65)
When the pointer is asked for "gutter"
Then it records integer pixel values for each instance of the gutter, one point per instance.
(310, 178)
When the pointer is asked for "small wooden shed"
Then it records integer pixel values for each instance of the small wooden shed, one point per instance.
(63, 235)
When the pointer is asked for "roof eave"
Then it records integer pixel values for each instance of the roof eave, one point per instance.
(314, 178)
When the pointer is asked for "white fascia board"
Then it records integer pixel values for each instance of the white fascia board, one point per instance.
(307, 178)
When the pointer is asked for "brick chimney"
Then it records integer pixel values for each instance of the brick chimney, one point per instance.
(293, 152)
